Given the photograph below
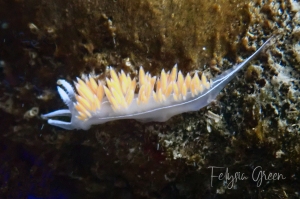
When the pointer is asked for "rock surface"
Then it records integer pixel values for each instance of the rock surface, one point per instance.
(254, 122)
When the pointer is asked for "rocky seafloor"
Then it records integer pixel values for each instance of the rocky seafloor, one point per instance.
(250, 130)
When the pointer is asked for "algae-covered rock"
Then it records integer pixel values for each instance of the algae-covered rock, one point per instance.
(251, 127)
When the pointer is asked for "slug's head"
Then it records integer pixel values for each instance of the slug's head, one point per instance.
(69, 96)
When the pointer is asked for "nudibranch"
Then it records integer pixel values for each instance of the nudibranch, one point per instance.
(157, 99)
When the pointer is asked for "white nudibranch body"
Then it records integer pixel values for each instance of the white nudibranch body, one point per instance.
(157, 99)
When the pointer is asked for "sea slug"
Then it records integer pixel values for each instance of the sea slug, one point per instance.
(157, 99)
